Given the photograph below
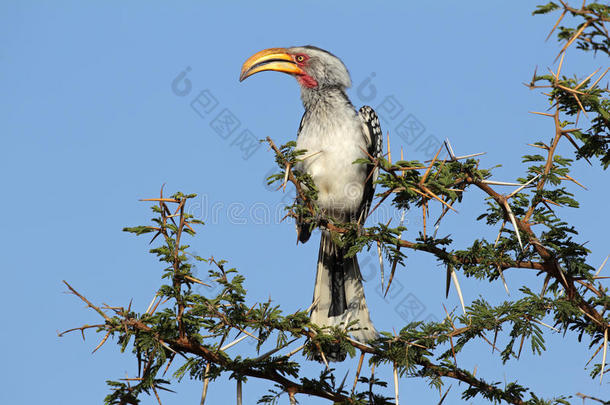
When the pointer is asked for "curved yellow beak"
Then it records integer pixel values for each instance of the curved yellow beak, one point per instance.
(277, 59)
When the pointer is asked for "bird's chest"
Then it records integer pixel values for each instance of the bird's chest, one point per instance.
(333, 142)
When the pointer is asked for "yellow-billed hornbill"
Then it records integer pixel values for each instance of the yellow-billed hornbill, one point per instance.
(334, 135)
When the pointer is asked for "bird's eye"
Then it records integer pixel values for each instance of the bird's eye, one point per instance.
(300, 58)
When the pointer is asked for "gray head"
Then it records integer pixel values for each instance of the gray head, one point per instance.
(314, 68)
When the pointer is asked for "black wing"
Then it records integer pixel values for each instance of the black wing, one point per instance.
(303, 229)
(372, 130)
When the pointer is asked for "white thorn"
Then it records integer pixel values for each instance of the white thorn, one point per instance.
(396, 383)
(499, 233)
(152, 302)
(167, 347)
(349, 339)
(469, 156)
(461, 157)
(402, 218)
(206, 382)
(449, 149)
(402, 221)
(601, 371)
(233, 343)
(500, 183)
(548, 326)
(523, 186)
(601, 267)
(459, 290)
(380, 262)
(239, 399)
(514, 222)
(295, 351)
(313, 305)
(272, 351)
(503, 279)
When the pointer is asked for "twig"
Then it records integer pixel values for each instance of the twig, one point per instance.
(583, 396)
(89, 304)
(82, 330)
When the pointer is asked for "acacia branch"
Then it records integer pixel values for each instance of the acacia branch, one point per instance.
(550, 265)
(185, 344)
(438, 252)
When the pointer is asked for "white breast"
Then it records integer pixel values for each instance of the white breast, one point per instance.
(333, 142)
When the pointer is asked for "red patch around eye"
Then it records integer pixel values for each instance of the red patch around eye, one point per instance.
(301, 59)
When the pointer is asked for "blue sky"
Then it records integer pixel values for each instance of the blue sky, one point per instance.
(91, 122)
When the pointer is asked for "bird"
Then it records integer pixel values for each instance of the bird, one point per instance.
(334, 135)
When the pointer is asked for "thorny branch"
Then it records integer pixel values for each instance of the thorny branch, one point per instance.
(173, 325)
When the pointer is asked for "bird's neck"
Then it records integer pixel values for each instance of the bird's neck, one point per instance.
(324, 99)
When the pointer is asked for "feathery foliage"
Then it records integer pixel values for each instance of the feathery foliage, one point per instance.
(192, 331)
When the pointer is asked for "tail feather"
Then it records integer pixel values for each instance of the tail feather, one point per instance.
(338, 293)
(335, 264)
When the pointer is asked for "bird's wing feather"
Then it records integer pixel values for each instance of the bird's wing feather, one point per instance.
(372, 131)
(301, 124)
(303, 229)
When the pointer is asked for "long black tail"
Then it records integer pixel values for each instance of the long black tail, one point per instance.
(338, 295)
